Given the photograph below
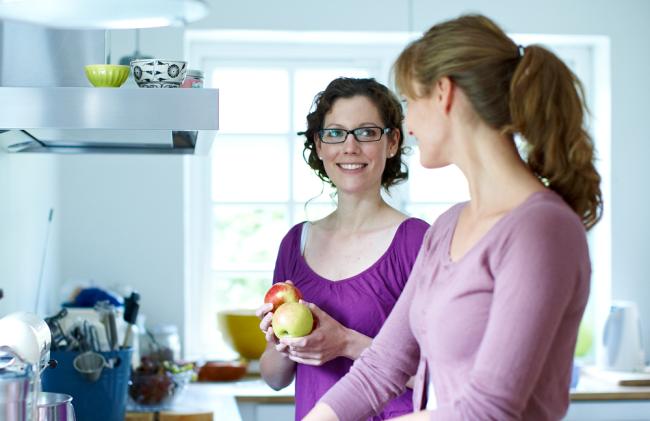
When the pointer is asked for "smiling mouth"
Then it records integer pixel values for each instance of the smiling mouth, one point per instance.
(351, 166)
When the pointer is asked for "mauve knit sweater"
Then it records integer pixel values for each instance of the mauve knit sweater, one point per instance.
(494, 331)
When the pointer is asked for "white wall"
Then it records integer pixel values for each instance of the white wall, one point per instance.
(624, 22)
(28, 189)
(122, 223)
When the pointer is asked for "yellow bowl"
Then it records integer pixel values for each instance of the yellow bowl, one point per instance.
(107, 75)
(241, 330)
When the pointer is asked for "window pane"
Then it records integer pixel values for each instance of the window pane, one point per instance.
(438, 185)
(313, 211)
(252, 100)
(428, 213)
(309, 82)
(247, 236)
(306, 184)
(250, 169)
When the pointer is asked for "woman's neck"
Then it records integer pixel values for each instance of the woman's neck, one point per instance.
(498, 178)
(356, 213)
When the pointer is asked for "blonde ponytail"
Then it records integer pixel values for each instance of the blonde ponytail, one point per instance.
(547, 107)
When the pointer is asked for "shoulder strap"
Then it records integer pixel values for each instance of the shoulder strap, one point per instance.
(303, 236)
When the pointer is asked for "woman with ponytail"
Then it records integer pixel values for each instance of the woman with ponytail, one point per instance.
(489, 318)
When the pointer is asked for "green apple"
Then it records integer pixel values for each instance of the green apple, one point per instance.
(292, 320)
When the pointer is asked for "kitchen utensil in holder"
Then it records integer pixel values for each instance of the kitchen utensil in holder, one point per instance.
(104, 398)
(90, 365)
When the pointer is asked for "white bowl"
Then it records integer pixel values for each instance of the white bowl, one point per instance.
(158, 73)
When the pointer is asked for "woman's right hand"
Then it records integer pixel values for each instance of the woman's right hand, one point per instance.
(266, 315)
(277, 369)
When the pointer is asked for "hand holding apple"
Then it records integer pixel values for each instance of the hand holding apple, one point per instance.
(282, 292)
(327, 341)
(292, 320)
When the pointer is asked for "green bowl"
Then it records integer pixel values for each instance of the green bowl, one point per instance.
(107, 75)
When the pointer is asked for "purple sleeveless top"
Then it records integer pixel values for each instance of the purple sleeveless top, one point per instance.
(361, 302)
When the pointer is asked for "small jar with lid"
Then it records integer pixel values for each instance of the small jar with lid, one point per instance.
(164, 341)
(193, 79)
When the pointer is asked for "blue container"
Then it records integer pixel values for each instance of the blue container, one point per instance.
(104, 399)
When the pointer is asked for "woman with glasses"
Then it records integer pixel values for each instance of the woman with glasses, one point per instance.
(490, 315)
(352, 265)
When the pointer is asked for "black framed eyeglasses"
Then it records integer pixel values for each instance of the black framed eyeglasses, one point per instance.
(361, 134)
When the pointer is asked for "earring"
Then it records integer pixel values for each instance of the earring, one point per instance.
(320, 157)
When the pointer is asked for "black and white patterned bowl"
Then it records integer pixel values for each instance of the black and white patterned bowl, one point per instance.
(157, 73)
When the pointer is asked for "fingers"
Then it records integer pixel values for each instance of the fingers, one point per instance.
(314, 356)
(266, 321)
(305, 361)
(300, 342)
(280, 347)
(316, 311)
(269, 335)
(263, 310)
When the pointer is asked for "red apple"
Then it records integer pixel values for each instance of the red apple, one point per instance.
(292, 320)
(280, 293)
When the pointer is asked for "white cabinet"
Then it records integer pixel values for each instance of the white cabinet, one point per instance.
(250, 411)
(609, 411)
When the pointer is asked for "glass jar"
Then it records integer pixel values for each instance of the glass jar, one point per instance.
(193, 79)
(165, 341)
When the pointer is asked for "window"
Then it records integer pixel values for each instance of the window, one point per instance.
(260, 183)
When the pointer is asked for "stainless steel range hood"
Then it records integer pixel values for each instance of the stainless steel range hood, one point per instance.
(108, 120)
(49, 106)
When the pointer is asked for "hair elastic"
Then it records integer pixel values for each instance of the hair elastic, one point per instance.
(521, 50)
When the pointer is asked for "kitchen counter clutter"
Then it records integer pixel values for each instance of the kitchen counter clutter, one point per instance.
(222, 399)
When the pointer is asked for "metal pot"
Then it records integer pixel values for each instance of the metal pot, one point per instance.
(55, 407)
(14, 390)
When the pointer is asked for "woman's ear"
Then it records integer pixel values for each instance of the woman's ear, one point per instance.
(317, 145)
(393, 142)
(444, 93)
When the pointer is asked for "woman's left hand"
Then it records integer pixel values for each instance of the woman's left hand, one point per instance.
(327, 341)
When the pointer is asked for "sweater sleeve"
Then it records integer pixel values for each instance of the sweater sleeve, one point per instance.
(540, 290)
(382, 370)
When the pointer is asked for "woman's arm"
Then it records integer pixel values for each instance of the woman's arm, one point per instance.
(276, 368)
(322, 412)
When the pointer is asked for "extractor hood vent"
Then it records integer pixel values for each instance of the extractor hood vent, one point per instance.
(108, 120)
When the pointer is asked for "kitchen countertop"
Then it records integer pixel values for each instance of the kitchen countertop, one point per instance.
(222, 397)
(593, 388)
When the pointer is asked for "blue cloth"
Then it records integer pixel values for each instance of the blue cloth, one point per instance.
(88, 297)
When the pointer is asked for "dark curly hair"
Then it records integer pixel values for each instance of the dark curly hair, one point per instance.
(389, 109)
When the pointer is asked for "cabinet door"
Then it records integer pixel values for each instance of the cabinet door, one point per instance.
(609, 411)
(267, 411)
